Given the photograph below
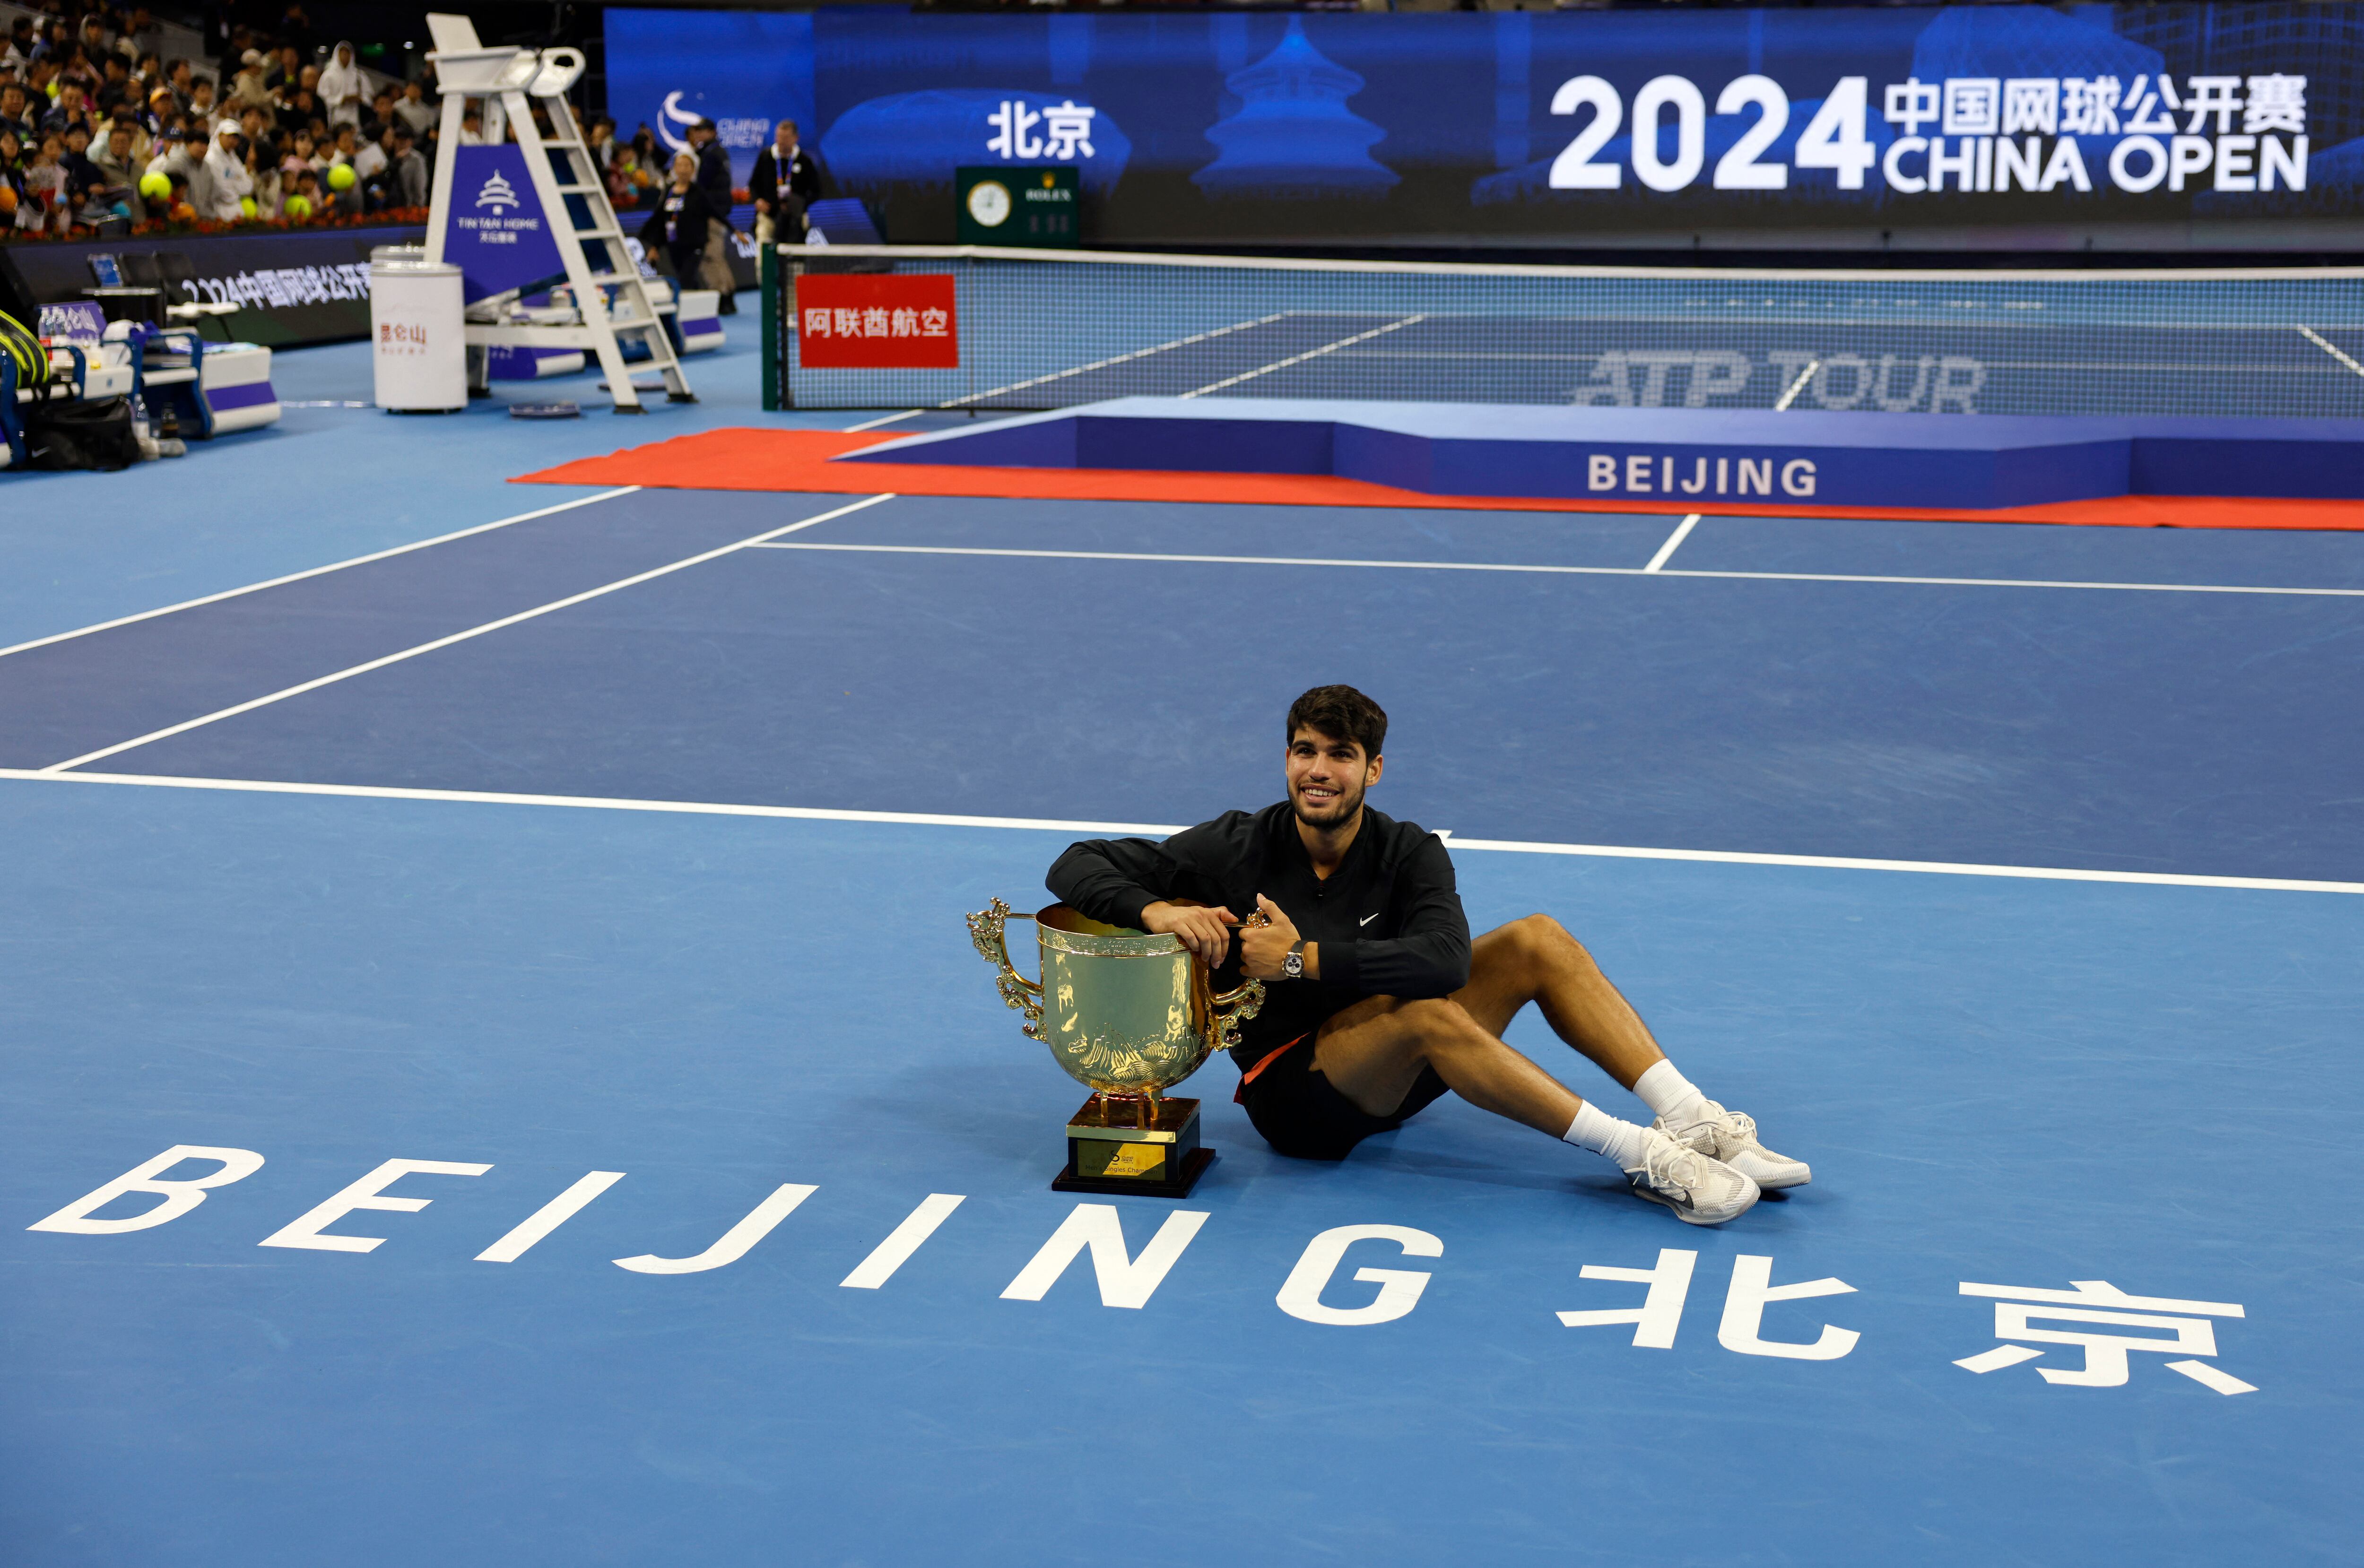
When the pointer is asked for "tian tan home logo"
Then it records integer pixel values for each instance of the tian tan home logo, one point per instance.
(497, 194)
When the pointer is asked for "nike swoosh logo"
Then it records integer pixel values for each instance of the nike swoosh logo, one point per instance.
(1367, 920)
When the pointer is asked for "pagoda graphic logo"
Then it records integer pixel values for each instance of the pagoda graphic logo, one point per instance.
(497, 194)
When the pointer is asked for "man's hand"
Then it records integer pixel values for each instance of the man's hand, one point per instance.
(1206, 932)
(1263, 946)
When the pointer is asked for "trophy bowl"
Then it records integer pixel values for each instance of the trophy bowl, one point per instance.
(1129, 1014)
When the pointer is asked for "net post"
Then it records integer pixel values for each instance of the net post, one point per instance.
(767, 274)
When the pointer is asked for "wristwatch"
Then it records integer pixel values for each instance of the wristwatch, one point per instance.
(1293, 966)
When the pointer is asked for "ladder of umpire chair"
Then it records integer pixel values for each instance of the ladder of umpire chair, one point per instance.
(574, 199)
(582, 221)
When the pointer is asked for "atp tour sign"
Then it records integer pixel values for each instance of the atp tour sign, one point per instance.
(2044, 126)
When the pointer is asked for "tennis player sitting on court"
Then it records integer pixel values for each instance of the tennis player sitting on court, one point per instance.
(1376, 1002)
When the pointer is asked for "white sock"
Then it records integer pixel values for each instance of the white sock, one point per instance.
(1668, 1094)
(1620, 1140)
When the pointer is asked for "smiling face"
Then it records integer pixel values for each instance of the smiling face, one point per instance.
(1327, 777)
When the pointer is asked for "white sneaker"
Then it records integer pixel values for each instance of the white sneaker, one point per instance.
(1731, 1137)
(1700, 1188)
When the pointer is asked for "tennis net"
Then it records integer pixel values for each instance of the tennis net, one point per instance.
(1049, 328)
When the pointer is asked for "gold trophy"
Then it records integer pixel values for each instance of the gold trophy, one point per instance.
(1131, 1015)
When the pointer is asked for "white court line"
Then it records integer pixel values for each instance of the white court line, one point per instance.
(1308, 354)
(884, 419)
(1674, 541)
(1797, 386)
(1116, 359)
(379, 663)
(1564, 571)
(316, 571)
(2333, 350)
(1153, 830)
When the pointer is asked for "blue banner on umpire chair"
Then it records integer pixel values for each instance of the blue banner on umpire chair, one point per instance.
(495, 230)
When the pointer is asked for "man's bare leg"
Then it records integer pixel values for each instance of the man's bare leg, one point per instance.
(1535, 960)
(1373, 1053)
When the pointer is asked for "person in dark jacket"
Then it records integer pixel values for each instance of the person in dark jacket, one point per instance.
(1376, 1002)
(678, 225)
(787, 179)
(714, 180)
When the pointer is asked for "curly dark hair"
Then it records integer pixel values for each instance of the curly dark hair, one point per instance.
(1343, 714)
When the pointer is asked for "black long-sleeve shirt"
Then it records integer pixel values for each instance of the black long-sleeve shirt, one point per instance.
(798, 175)
(1389, 920)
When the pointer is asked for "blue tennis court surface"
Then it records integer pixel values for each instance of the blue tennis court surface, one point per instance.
(1039, 333)
(2008, 368)
(633, 839)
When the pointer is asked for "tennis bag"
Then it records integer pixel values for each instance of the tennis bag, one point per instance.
(96, 435)
(19, 344)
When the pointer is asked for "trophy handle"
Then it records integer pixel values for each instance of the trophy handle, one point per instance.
(1245, 1002)
(987, 929)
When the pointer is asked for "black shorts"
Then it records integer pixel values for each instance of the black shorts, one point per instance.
(1301, 1115)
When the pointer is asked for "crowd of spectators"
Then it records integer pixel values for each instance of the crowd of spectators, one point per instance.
(99, 130)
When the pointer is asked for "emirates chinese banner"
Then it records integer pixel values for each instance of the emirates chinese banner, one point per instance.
(873, 322)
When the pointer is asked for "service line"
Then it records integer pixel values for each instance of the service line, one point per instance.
(1651, 571)
(1160, 831)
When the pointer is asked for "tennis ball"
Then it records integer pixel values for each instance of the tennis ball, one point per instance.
(298, 209)
(341, 176)
(155, 188)
(246, 207)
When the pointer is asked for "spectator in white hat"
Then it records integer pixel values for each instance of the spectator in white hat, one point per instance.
(226, 162)
(249, 88)
(344, 87)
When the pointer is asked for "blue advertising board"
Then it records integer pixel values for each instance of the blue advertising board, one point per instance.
(745, 70)
(300, 286)
(1530, 126)
(496, 231)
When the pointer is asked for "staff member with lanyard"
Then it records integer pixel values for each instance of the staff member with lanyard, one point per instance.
(678, 224)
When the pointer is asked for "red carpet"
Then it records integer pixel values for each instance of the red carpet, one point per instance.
(799, 460)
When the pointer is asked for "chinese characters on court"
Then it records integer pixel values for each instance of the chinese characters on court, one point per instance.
(2098, 1306)
(2098, 1313)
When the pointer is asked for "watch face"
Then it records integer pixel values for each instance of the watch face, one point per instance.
(989, 202)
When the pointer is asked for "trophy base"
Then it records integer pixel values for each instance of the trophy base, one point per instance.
(1113, 1148)
(1193, 1167)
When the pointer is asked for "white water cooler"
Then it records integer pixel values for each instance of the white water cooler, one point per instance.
(418, 346)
